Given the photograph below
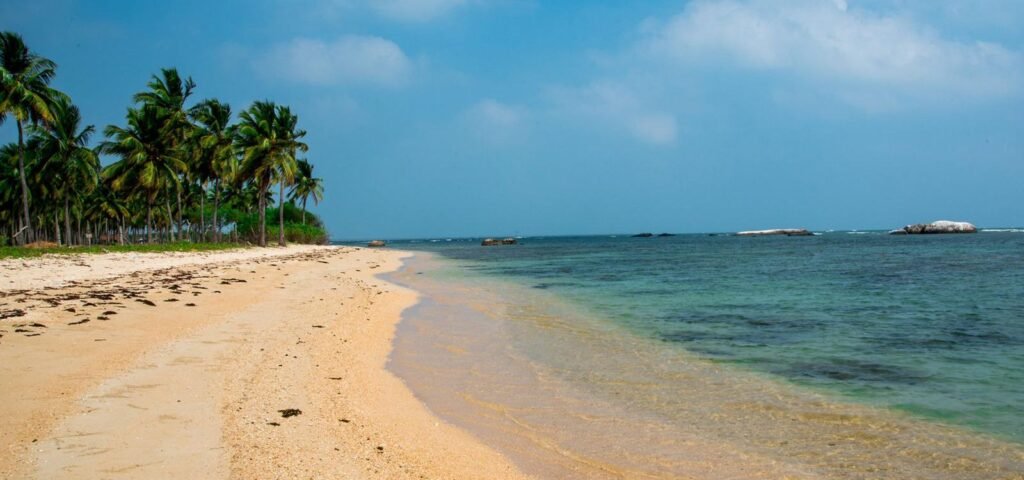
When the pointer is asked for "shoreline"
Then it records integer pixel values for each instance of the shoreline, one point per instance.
(566, 397)
(203, 378)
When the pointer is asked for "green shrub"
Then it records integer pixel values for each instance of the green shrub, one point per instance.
(313, 232)
(298, 233)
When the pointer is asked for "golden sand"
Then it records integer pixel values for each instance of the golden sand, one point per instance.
(180, 365)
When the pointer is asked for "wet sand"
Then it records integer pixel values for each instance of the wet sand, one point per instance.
(244, 364)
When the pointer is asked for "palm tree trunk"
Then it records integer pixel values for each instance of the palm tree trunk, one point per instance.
(216, 206)
(179, 214)
(280, 217)
(56, 226)
(202, 214)
(170, 221)
(263, 216)
(304, 209)
(149, 222)
(67, 220)
(24, 184)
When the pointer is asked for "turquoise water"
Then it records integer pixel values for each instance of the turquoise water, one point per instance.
(928, 325)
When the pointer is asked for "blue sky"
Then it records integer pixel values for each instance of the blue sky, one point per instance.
(492, 117)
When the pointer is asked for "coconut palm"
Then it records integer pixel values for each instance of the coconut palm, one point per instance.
(268, 140)
(289, 133)
(66, 157)
(215, 154)
(306, 186)
(146, 166)
(25, 95)
(10, 186)
(168, 93)
(105, 203)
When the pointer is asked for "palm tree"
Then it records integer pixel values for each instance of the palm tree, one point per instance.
(146, 166)
(268, 139)
(9, 187)
(289, 133)
(168, 94)
(24, 94)
(105, 203)
(306, 186)
(215, 153)
(65, 155)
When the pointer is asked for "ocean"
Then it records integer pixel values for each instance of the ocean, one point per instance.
(842, 355)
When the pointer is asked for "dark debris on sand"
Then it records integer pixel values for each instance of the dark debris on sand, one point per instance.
(87, 297)
(290, 412)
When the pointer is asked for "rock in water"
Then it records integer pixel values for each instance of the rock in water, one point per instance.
(643, 235)
(490, 242)
(941, 226)
(377, 243)
(789, 232)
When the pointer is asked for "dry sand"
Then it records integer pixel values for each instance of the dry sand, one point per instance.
(185, 361)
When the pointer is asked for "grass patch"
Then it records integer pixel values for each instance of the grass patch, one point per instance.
(22, 252)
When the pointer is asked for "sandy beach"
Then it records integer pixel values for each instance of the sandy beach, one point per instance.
(255, 363)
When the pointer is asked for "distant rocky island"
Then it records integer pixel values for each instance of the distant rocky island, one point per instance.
(941, 226)
(490, 242)
(789, 232)
(649, 235)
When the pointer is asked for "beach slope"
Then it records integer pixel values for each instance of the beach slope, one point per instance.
(259, 363)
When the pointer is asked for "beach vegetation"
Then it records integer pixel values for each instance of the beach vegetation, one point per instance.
(178, 169)
(38, 249)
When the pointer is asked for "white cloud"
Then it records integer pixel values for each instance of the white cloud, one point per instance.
(349, 60)
(619, 106)
(494, 121)
(855, 51)
(415, 10)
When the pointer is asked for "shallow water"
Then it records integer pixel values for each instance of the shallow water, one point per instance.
(727, 358)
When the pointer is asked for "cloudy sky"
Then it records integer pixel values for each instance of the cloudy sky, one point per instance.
(491, 117)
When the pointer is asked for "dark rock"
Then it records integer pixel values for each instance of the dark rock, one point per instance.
(643, 235)
(941, 226)
(666, 234)
(789, 232)
(377, 244)
(490, 242)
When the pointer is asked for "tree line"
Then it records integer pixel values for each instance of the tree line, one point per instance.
(179, 169)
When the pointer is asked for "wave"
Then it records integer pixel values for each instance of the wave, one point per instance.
(1004, 230)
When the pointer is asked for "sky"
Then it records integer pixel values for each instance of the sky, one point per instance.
(444, 118)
